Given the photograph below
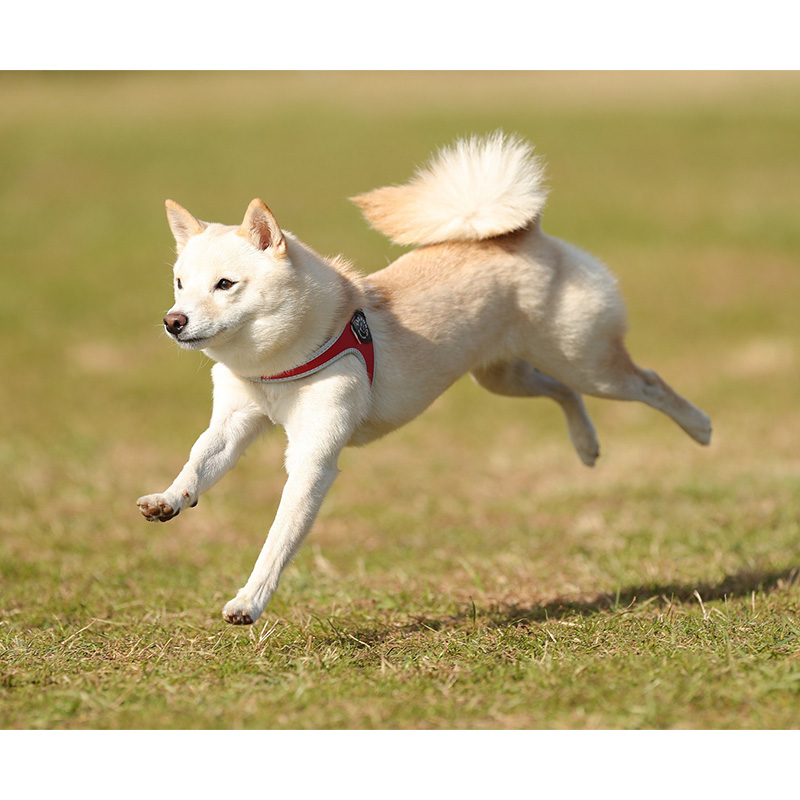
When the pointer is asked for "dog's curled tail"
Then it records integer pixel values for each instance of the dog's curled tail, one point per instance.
(476, 189)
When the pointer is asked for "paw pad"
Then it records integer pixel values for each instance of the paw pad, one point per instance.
(156, 510)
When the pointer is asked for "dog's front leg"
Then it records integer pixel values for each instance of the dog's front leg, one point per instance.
(317, 433)
(302, 497)
(235, 422)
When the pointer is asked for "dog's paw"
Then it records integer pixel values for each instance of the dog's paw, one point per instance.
(587, 446)
(156, 508)
(701, 431)
(584, 439)
(240, 611)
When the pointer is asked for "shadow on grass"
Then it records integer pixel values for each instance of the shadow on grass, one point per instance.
(625, 601)
(740, 584)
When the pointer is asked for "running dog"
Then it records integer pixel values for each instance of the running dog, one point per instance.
(338, 358)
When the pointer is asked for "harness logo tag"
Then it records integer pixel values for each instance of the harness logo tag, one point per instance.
(358, 324)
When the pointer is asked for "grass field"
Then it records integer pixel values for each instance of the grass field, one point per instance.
(467, 572)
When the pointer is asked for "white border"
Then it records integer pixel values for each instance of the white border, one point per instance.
(356, 34)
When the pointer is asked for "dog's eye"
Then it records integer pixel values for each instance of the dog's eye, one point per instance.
(224, 284)
(178, 283)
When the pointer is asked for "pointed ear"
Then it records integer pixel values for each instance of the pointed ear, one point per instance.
(261, 229)
(182, 224)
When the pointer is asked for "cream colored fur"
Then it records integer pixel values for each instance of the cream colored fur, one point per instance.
(487, 293)
(474, 190)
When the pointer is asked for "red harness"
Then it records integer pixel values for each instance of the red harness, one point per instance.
(355, 339)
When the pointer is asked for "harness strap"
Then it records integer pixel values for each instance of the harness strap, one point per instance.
(355, 339)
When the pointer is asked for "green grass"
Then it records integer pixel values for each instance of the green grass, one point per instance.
(466, 572)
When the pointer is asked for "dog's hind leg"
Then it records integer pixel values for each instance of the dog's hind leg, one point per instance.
(611, 373)
(648, 387)
(519, 379)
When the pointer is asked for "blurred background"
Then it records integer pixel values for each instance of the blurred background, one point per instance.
(686, 184)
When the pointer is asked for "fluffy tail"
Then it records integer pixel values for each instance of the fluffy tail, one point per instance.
(474, 190)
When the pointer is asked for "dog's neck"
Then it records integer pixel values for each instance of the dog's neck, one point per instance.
(325, 295)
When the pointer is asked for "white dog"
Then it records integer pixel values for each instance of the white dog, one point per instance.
(339, 358)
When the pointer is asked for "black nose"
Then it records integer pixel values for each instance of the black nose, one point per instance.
(175, 323)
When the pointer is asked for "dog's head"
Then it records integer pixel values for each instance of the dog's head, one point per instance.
(228, 280)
